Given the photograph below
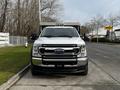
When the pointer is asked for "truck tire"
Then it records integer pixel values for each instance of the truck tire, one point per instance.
(33, 72)
(86, 71)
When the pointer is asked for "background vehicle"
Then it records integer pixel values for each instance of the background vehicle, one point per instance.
(116, 35)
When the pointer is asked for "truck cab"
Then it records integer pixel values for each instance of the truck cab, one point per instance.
(59, 49)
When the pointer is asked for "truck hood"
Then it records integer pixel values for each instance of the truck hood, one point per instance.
(59, 40)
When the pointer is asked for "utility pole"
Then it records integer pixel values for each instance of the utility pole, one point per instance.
(97, 35)
(40, 13)
(98, 25)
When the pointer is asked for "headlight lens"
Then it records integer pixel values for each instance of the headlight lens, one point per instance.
(83, 51)
(76, 50)
(41, 50)
(35, 51)
(35, 48)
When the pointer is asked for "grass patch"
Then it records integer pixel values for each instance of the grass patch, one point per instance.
(12, 60)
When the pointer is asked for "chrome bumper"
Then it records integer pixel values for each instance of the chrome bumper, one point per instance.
(79, 61)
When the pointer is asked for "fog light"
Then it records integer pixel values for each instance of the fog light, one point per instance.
(36, 62)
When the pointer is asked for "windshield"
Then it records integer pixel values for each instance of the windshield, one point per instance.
(59, 32)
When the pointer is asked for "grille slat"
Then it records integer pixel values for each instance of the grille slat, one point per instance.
(59, 45)
(53, 51)
(59, 56)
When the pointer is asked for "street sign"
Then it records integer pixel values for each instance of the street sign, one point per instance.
(108, 27)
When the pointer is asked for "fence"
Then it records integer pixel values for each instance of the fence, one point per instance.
(18, 40)
(4, 38)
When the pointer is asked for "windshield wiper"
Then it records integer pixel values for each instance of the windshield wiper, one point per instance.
(65, 36)
(49, 36)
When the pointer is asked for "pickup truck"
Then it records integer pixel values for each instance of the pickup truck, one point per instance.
(59, 49)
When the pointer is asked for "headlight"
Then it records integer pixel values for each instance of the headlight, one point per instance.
(83, 51)
(35, 51)
(76, 50)
(41, 50)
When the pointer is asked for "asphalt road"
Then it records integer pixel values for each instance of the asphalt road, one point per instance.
(104, 73)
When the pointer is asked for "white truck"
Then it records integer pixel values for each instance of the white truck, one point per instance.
(59, 49)
(115, 35)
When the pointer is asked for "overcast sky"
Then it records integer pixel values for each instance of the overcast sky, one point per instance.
(84, 10)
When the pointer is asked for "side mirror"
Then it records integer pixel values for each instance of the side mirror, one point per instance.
(34, 37)
(82, 36)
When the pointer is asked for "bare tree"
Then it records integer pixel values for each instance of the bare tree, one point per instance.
(112, 20)
(18, 16)
(95, 23)
(3, 15)
(21, 17)
(50, 10)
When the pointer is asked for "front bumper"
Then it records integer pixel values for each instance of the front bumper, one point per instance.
(80, 66)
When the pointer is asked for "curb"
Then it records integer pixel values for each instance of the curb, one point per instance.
(14, 79)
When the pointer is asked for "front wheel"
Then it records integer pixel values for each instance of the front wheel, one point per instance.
(33, 72)
(86, 71)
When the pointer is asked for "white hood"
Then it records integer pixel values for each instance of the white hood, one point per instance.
(59, 40)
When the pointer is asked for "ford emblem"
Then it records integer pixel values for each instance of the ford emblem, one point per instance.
(59, 51)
